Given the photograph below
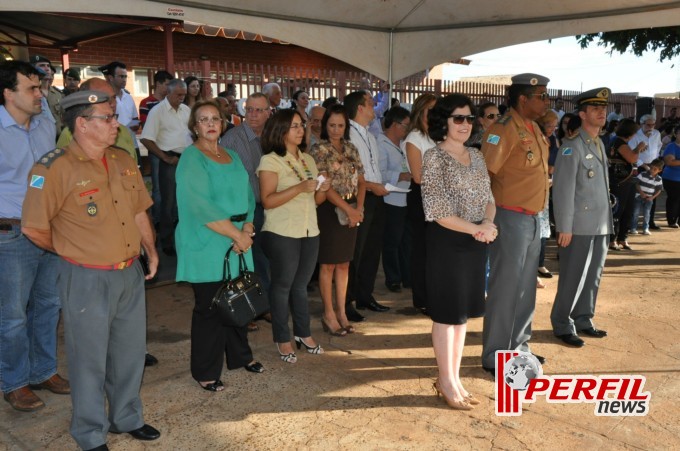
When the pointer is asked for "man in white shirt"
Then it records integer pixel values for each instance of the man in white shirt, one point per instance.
(166, 135)
(116, 74)
(652, 138)
(559, 108)
(364, 266)
(616, 114)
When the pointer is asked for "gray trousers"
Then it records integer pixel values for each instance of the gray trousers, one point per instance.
(511, 298)
(105, 331)
(581, 266)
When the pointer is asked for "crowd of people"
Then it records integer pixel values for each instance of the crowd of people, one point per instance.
(456, 200)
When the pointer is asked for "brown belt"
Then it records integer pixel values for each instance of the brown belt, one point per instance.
(10, 221)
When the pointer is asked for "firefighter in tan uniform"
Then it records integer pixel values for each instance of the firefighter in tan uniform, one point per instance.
(516, 154)
(87, 203)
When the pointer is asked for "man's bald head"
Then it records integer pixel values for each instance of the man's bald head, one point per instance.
(99, 84)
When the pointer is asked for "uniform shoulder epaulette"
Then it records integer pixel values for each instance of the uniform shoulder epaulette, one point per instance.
(503, 119)
(50, 157)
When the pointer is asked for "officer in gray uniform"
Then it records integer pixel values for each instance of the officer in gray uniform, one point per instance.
(87, 203)
(583, 218)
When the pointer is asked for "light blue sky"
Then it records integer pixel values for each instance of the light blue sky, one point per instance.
(570, 67)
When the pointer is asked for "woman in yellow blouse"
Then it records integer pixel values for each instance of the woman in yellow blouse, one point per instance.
(290, 192)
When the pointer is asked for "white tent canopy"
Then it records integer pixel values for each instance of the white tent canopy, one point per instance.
(392, 38)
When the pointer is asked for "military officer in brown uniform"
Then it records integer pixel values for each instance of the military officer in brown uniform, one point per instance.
(516, 154)
(87, 203)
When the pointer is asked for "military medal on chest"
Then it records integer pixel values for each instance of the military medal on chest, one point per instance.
(92, 209)
(525, 140)
(591, 173)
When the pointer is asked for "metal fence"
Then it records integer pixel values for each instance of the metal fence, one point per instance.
(324, 83)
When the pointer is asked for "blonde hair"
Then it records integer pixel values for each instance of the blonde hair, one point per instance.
(418, 112)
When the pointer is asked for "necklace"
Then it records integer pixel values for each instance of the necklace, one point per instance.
(308, 173)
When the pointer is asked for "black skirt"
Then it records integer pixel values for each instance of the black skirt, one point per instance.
(455, 271)
(336, 242)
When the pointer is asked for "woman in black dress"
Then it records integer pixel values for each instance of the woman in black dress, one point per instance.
(457, 200)
(340, 159)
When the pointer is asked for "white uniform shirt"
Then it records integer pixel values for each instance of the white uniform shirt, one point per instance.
(168, 127)
(653, 142)
(368, 151)
(126, 110)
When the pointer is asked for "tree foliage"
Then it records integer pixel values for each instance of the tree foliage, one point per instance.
(666, 39)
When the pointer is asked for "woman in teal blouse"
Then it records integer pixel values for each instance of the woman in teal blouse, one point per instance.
(216, 207)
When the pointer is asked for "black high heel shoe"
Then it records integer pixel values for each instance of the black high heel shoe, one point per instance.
(299, 342)
(212, 386)
(288, 358)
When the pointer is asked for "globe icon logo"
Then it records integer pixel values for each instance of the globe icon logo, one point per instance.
(520, 370)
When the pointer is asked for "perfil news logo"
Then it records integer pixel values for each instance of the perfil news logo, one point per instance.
(520, 379)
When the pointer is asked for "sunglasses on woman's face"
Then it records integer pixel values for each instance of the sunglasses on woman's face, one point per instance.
(493, 115)
(460, 118)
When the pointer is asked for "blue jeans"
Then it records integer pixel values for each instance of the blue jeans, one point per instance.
(646, 206)
(29, 312)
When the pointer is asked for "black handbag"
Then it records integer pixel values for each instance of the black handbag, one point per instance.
(241, 299)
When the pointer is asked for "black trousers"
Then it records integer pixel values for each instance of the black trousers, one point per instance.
(672, 201)
(210, 338)
(168, 187)
(364, 267)
(416, 217)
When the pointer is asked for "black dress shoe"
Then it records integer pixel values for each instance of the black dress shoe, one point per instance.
(146, 432)
(353, 315)
(256, 367)
(540, 358)
(491, 371)
(393, 287)
(373, 305)
(150, 360)
(654, 226)
(572, 340)
(592, 332)
(99, 448)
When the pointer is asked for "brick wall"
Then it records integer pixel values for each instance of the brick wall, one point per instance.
(145, 49)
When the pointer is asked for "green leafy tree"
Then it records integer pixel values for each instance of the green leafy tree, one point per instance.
(667, 40)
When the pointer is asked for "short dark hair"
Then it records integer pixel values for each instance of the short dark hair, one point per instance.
(297, 93)
(627, 128)
(395, 114)
(8, 75)
(330, 101)
(657, 163)
(481, 109)
(334, 109)
(110, 69)
(161, 77)
(194, 110)
(352, 102)
(515, 91)
(275, 130)
(438, 117)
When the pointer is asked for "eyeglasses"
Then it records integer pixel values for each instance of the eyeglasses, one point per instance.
(493, 116)
(460, 118)
(543, 96)
(251, 110)
(402, 124)
(209, 120)
(107, 117)
(297, 125)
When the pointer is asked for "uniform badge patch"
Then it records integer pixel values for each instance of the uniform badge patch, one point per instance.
(37, 181)
(493, 139)
(92, 209)
(567, 151)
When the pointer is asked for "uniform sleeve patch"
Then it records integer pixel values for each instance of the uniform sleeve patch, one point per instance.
(567, 151)
(37, 181)
(493, 139)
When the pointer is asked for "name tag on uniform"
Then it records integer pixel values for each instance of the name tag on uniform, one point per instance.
(37, 181)
(567, 151)
(493, 139)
